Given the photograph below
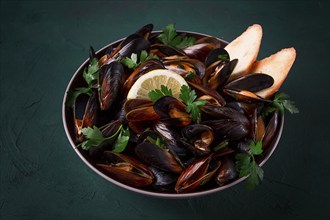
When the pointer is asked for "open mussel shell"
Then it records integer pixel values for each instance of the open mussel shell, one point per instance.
(145, 67)
(199, 51)
(218, 54)
(172, 111)
(126, 169)
(196, 174)
(84, 110)
(198, 139)
(226, 172)
(245, 96)
(107, 131)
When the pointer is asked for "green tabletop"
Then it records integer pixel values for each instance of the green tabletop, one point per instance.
(43, 43)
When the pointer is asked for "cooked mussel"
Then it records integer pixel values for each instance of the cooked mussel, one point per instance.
(85, 113)
(158, 157)
(226, 172)
(198, 139)
(196, 174)
(126, 169)
(112, 84)
(172, 111)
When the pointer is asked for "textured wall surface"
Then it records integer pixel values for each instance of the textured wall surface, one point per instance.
(42, 44)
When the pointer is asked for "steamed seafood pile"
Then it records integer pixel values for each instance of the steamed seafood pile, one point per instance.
(176, 112)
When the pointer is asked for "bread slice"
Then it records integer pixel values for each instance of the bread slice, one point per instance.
(245, 48)
(277, 66)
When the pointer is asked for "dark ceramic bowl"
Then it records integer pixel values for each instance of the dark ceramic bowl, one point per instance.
(67, 116)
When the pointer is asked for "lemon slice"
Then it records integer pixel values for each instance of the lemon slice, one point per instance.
(153, 80)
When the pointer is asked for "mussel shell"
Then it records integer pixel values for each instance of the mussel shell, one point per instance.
(245, 96)
(251, 82)
(134, 46)
(199, 51)
(163, 180)
(158, 157)
(270, 130)
(145, 31)
(85, 112)
(170, 50)
(225, 73)
(172, 111)
(223, 112)
(142, 114)
(207, 91)
(171, 136)
(213, 56)
(127, 170)
(211, 40)
(107, 131)
(228, 128)
(195, 175)
(184, 66)
(197, 151)
(145, 67)
(91, 53)
(111, 86)
(226, 172)
(200, 136)
(132, 104)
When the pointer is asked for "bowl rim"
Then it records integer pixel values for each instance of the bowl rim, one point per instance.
(163, 195)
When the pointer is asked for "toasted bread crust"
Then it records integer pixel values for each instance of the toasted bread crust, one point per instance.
(277, 66)
(245, 48)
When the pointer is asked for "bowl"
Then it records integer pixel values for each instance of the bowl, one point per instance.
(67, 117)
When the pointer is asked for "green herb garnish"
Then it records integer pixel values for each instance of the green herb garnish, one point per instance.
(188, 96)
(158, 142)
(223, 57)
(94, 138)
(170, 37)
(281, 101)
(122, 140)
(246, 165)
(133, 62)
(156, 94)
(90, 74)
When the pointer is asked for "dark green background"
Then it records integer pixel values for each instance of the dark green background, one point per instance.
(44, 42)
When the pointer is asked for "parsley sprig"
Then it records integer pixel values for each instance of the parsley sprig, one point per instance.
(133, 62)
(156, 94)
(281, 101)
(170, 37)
(94, 138)
(90, 74)
(246, 165)
(188, 96)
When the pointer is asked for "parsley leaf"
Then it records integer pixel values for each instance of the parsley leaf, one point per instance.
(90, 73)
(246, 165)
(156, 94)
(95, 137)
(281, 101)
(133, 62)
(256, 176)
(72, 95)
(122, 141)
(223, 57)
(256, 148)
(170, 37)
(188, 96)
